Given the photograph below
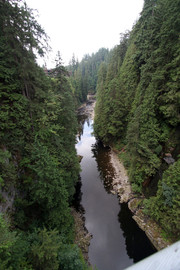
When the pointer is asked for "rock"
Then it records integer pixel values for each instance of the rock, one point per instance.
(120, 183)
(122, 187)
(7, 200)
(119, 187)
(140, 222)
(152, 230)
(168, 155)
(134, 204)
(87, 109)
(169, 160)
(80, 158)
(120, 190)
(82, 236)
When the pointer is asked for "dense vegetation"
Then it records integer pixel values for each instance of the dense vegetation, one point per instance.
(38, 162)
(83, 75)
(137, 110)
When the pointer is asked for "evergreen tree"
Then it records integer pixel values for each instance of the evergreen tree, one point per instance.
(83, 75)
(38, 162)
(138, 103)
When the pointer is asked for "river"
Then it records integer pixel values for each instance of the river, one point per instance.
(117, 241)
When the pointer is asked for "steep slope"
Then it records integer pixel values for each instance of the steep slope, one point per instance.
(137, 110)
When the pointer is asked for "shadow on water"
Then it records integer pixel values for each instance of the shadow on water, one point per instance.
(102, 157)
(138, 245)
(117, 240)
(78, 197)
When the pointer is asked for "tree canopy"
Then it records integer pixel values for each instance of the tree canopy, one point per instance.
(137, 112)
(137, 109)
(38, 161)
(83, 75)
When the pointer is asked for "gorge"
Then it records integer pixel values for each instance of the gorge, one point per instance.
(117, 241)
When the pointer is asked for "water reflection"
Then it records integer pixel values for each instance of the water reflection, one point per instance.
(113, 244)
(78, 197)
(135, 238)
(138, 245)
(82, 119)
(102, 157)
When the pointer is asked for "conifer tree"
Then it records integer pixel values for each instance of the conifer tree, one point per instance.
(38, 161)
(138, 105)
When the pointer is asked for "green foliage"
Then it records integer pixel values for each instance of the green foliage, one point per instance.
(44, 250)
(7, 168)
(138, 97)
(113, 95)
(40, 249)
(7, 240)
(168, 193)
(70, 258)
(19, 254)
(49, 190)
(13, 249)
(83, 75)
(165, 207)
(38, 159)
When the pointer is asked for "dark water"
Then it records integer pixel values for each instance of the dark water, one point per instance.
(117, 241)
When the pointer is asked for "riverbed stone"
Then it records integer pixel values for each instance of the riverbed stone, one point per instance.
(122, 187)
(152, 230)
(82, 236)
(135, 204)
(80, 158)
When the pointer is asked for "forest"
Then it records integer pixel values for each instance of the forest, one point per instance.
(137, 113)
(138, 109)
(38, 162)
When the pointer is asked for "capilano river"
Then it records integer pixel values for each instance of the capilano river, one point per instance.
(117, 242)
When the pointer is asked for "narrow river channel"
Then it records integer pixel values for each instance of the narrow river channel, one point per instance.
(117, 241)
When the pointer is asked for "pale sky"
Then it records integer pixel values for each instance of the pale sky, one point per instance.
(84, 26)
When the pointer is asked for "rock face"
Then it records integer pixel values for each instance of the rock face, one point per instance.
(87, 108)
(169, 160)
(120, 182)
(82, 236)
(7, 200)
(122, 187)
(149, 226)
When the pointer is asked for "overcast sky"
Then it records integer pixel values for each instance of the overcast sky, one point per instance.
(83, 26)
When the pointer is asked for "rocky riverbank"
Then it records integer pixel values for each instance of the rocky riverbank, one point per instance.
(122, 187)
(82, 236)
(87, 108)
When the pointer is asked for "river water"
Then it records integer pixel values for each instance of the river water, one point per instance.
(117, 240)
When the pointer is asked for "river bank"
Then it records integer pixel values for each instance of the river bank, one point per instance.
(122, 187)
(87, 108)
(82, 236)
